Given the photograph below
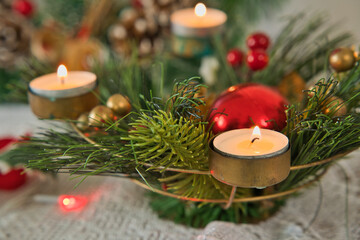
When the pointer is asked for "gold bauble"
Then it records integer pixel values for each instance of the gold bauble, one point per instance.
(292, 86)
(99, 115)
(342, 59)
(119, 104)
(340, 110)
(83, 121)
(311, 85)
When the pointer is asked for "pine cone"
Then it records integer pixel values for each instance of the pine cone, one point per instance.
(146, 23)
(14, 38)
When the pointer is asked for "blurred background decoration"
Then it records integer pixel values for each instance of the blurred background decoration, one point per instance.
(38, 35)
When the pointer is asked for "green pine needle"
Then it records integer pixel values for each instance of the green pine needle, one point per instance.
(163, 140)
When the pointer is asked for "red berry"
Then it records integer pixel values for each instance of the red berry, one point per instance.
(164, 187)
(84, 32)
(258, 41)
(24, 7)
(257, 60)
(235, 57)
(137, 4)
(12, 179)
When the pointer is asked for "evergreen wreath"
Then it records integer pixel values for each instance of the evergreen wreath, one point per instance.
(163, 144)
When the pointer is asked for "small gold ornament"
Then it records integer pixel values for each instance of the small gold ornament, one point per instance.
(99, 115)
(342, 59)
(119, 104)
(83, 121)
(292, 86)
(339, 111)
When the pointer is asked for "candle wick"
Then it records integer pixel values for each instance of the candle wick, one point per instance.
(62, 80)
(256, 138)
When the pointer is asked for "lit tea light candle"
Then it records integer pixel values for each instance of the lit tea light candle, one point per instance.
(193, 28)
(251, 143)
(63, 83)
(250, 157)
(62, 73)
(63, 95)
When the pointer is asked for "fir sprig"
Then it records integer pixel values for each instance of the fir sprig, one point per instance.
(18, 79)
(183, 102)
(317, 132)
(65, 151)
(167, 141)
(200, 186)
(302, 46)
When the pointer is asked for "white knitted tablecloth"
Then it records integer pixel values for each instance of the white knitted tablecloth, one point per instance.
(118, 209)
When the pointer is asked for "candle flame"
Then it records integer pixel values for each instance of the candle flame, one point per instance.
(62, 71)
(200, 9)
(256, 133)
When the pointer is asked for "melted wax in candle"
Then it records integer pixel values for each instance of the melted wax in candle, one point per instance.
(257, 147)
(65, 85)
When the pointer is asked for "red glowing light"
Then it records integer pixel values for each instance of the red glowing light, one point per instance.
(72, 203)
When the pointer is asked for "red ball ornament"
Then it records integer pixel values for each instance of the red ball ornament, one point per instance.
(247, 105)
(258, 41)
(24, 7)
(235, 57)
(12, 179)
(257, 60)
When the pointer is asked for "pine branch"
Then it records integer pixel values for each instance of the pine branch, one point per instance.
(16, 87)
(315, 135)
(200, 186)
(302, 46)
(64, 150)
(183, 102)
(199, 215)
(166, 141)
(125, 77)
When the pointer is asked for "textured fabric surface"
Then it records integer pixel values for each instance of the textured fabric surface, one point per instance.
(118, 209)
(292, 221)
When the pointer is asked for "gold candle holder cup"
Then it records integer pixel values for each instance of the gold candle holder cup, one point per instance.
(249, 172)
(62, 108)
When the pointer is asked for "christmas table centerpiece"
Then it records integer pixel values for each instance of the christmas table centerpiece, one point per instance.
(205, 155)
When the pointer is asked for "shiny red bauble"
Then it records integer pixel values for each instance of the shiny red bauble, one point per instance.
(13, 179)
(247, 105)
(24, 7)
(235, 57)
(258, 41)
(257, 60)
